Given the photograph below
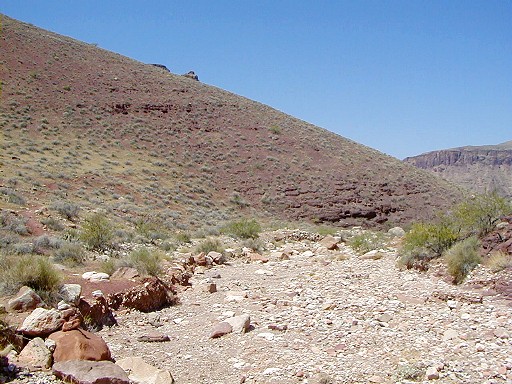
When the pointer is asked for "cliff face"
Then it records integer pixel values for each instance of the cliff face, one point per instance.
(479, 169)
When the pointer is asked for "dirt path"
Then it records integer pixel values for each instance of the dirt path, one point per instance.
(350, 321)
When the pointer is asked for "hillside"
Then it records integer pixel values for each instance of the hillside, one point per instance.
(91, 127)
(479, 168)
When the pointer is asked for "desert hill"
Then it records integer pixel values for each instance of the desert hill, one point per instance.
(479, 168)
(92, 127)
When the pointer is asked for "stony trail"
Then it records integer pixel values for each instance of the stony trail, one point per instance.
(325, 317)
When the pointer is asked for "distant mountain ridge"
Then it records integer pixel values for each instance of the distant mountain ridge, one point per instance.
(478, 168)
(89, 126)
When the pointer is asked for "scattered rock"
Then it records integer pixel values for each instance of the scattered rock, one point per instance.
(432, 373)
(41, 322)
(217, 257)
(221, 329)
(255, 257)
(25, 300)
(240, 324)
(79, 345)
(329, 242)
(153, 337)
(94, 276)
(90, 372)
(141, 372)
(396, 232)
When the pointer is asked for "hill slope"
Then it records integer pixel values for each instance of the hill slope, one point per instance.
(479, 168)
(86, 125)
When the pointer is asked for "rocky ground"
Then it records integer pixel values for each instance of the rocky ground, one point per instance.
(319, 316)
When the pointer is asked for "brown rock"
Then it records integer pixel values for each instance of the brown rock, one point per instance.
(41, 322)
(257, 258)
(329, 242)
(25, 300)
(221, 329)
(79, 345)
(152, 295)
(90, 372)
(153, 337)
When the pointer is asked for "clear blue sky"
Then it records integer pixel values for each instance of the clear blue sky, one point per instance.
(404, 77)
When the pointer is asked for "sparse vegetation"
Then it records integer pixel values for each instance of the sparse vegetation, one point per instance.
(66, 209)
(368, 241)
(462, 258)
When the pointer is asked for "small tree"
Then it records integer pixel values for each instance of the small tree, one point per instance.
(479, 214)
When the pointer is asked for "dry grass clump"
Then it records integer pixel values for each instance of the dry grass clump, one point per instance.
(498, 261)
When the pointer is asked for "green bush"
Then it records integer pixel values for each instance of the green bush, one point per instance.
(244, 229)
(97, 232)
(53, 224)
(368, 241)
(462, 258)
(70, 254)
(146, 261)
(37, 272)
(434, 238)
(208, 245)
(182, 237)
(479, 214)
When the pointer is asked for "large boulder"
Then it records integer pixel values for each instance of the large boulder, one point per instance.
(41, 322)
(70, 293)
(152, 295)
(25, 300)
(97, 313)
(90, 372)
(79, 344)
(141, 372)
(35, 355)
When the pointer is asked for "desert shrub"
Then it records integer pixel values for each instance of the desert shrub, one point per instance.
(97, 232)
(150, 229)
(244, 229)
(462, 258)
(498, 261)
(209, 244)
(23, 248)
(479, 214)
(11, 196)
(256, 245)
(368, 241)
(70, 254)
(410, 371)
(66, 209)
(13, 223)
(325, 230)
(109, 266)
(37, 272)
(182, 237)
(46, 242)
(238, 200)
(53, 224)
(146, 261)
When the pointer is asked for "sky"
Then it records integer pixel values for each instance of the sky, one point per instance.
(401, 76)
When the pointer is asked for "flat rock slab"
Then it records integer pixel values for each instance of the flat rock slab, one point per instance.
(90, 372)
(141, 372)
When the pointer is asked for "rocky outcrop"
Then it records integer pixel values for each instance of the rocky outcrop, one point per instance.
(191, 75)
(480, 169)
